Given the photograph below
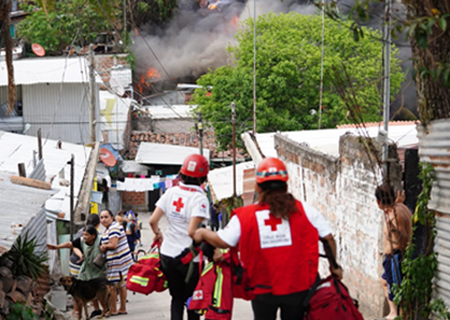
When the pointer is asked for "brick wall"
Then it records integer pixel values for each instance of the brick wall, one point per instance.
(104, 63)
(342, 188)
(136, 201)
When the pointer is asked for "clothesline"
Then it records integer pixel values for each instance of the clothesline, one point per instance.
(148, 184)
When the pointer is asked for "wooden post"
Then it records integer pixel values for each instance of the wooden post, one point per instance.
(39, 133)
(31, 182)
(92, 91)
(84, 195)
(22, 172)
(72, 209)
(233, 121)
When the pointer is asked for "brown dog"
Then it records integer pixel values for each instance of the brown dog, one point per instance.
(87, 291)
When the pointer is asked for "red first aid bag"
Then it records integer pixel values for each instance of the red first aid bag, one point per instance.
(331, 300)
(213, 294)
(146, 276)
(241, 281)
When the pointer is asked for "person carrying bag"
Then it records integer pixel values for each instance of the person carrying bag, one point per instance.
(145, 276)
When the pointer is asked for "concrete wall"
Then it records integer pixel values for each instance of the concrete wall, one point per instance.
(343, 188)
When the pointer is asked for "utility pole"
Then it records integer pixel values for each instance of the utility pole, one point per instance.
(39, 136)
(92, 91)
(233, 121)
(387, 85)
(200, 131)
(254, 66)
(72, 217)
(321, 65)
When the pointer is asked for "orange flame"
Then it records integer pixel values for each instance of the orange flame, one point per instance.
(212, 7)
(153, 73)
(145, 80)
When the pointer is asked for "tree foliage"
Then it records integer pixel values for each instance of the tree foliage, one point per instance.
(425, 25)
(151, 11)
(57, 25)
(288, 76)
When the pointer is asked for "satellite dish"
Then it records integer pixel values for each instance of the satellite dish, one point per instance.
(107, 157)
(38, 50)
(117, 87)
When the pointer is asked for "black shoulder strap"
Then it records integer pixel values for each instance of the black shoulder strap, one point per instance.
(311, 291)
(329, 253)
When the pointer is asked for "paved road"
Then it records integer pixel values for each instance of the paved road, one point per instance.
(157, 305)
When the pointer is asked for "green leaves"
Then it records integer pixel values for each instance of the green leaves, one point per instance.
(69, 21)
(20, 311)
(288, 76)
(26, 259)
(414, 295)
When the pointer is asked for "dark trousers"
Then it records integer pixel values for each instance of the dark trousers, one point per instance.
(265, 306)
(179, 290)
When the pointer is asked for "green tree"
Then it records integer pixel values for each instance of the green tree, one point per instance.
(155, 11)
(58, 25)
(288, 76)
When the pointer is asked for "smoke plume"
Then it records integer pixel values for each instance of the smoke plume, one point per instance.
(196, 40)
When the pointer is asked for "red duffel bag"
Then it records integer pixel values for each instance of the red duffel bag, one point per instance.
(331, 300)
(145, 275)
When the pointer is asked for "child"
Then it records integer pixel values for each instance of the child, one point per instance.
(139, 227)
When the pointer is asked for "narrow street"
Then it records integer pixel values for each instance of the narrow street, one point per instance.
(157, 305)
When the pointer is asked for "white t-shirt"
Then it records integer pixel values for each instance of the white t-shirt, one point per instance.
(180, 204)
(232, 232)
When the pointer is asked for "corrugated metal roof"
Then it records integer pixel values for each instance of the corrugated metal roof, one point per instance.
(47, 70)
(38, 172)
(19, 205)
(18, 148)
(327, 140)
(156, 153)
(221, 180)
(376, 124)
(172, 112)
(434, 147)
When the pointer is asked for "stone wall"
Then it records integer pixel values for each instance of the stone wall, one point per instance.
(342, 188)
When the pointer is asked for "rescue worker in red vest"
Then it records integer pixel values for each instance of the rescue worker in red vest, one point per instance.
(186, 207)
(278, 243)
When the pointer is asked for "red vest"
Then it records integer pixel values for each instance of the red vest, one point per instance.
(281, 256)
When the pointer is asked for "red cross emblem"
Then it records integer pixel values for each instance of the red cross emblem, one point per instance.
(198, 295)
(272, 222)
(178, 204)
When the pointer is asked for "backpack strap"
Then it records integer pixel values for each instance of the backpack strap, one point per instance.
(311, 291)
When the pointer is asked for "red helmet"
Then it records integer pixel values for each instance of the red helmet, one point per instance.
(195, 165)
(271, 169)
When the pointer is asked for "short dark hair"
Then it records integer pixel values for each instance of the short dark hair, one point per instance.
(93, 220)
(91, 230)
(385, 195)
(191, 180)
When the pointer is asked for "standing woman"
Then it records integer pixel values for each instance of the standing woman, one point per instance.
(118, 258)
(185, 206)
(278, 243)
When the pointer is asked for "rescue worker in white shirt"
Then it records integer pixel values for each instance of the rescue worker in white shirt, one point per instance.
(278, 243)
(186, 207)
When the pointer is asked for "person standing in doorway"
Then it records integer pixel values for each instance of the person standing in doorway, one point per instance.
(397, 229)
(186, 207)
(278, 242)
